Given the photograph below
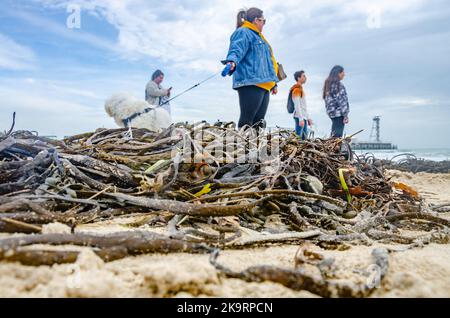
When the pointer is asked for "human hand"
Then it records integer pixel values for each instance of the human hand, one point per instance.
(301, 123)
(274, 90)
(233, 66)
(310, 122)
(346, 120)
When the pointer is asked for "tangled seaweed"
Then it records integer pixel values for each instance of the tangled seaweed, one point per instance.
(206, 196)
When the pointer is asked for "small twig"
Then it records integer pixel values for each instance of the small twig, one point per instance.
(26, 226)
(12, 127)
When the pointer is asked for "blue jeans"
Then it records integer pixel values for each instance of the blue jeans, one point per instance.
(301, 131)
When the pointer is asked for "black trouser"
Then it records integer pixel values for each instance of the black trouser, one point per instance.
(337, 128)
(253, 101)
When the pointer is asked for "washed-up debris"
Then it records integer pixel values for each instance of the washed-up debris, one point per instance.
(412, 164)
(110, 247)
(211, 186)
(299, 279)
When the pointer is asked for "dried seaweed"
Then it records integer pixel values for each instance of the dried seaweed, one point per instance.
(206, 194)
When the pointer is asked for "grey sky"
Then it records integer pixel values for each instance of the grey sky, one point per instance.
(397, 63)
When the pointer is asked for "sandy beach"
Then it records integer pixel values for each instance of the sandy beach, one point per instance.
(419, 272)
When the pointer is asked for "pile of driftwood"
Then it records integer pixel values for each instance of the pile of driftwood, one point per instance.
(210, 187)
(415, 165)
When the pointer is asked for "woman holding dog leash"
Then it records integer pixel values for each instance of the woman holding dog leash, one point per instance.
(255, 71)
(155, 94)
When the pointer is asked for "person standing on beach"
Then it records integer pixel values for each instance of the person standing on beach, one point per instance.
(155, 94)
(301, 115)
(253, 66)
(336, 101)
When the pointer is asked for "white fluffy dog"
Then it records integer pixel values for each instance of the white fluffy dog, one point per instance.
(123, 106)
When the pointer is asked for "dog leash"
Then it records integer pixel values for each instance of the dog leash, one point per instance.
(191, 88)
(224, 73)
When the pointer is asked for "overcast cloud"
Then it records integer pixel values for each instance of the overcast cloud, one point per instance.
(395, 55)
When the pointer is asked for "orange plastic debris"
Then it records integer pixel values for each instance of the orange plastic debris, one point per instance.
(406, 189)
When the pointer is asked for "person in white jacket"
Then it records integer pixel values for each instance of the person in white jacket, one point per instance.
(155, 94)
(301, 115)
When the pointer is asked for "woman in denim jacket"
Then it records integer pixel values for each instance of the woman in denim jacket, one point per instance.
(336, 101)
(253, 66)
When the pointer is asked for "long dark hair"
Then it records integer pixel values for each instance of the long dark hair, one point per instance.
(248, 15)
(332, 79)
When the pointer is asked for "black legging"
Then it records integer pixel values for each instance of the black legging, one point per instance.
(253, 101)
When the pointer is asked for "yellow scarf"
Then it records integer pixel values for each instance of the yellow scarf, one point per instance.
(269, 85)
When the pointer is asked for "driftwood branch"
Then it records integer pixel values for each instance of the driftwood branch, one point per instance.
(300, 280)
(187, 208)
(111, 247)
